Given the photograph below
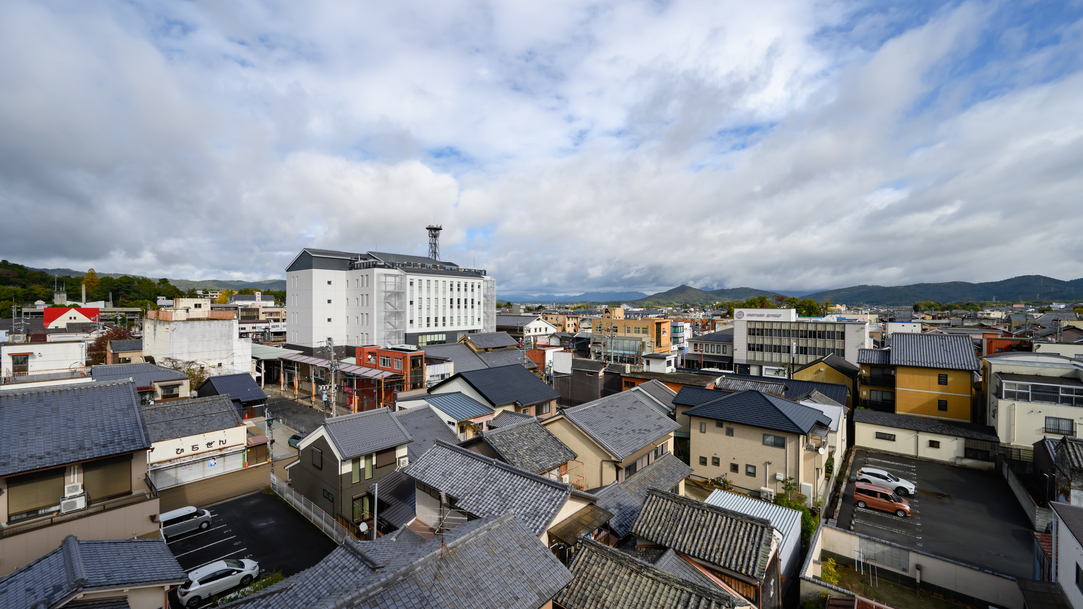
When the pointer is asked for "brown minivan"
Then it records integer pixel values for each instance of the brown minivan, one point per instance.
(880, 498)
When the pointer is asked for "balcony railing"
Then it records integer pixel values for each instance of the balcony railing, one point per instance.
(1060, 430)
(57, 518)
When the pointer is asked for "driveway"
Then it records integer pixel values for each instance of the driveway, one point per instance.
(959, 513)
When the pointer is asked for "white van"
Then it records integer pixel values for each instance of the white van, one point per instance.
(183, 520)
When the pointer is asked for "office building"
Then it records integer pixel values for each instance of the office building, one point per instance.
(766, 342)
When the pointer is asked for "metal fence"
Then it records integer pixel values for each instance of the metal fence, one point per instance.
(315, 515)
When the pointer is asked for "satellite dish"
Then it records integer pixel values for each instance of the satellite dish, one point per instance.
(820, 450)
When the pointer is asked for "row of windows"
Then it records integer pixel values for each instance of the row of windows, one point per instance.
(768, 439)
(750, 470)
(801, 350)
(710, 348)
(788, 333)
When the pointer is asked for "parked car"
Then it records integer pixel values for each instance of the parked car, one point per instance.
(296, 438)
(880, 498)
(215, 578)
(184, 520)
(873, 475)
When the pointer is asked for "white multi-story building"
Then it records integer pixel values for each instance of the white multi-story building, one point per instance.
(384, 299)
(766, 341)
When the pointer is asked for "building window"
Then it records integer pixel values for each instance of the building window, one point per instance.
(326, 493)
(328, 301)
(368, 467)
(714, 461)
(734, 468)
(702, 428)
(942, 379)
(1078, 578)
(719, 424)
(328, 320)
(1060, 427)
(942, 405)
(355, 470)
(729, 431)
(934, 443)
(398, 364)
(385, 361)
(703, 460)
(772, 440)
(542, 408)
(750, 470)
(890, 437)
(317, 458)
(328, 282)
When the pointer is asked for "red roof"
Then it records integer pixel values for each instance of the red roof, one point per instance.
(52, 314)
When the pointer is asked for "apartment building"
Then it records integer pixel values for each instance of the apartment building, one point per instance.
(618, 338)
(376, 298)
(1031, 396)
(767, 341)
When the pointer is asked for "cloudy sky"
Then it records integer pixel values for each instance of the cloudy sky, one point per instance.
(564, 146)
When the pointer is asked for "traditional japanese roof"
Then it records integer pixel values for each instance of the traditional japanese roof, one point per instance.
(239, 387)
(761, 410)
(142, 373)
(106, 415)
(797, 389)
(458, 405)
(491, 340)
(783, 519)
(615, 499)
(509, 417)
(724, 538)
(491, 563)
(81, 567)
(745, 384)
(529, 446)
(663, 474)
(183, 418)
(622, 423)
(505, 385)
(364, 433)
(487, 487)
(933, 351)
(425, 427)
(973, 431)
(506, 357)
(606, 578)
(135, 344)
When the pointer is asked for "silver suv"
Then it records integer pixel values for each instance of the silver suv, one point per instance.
(881, 477)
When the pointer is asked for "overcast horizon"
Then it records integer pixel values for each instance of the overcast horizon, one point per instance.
(566, 147)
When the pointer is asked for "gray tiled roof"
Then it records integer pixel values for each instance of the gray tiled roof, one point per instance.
(943, 351)
(529, 446)
(183, 418)
(589, 365)
(462, 357)
(796, 389)
(239, 387)
(717, 536)
(425, 427)
(135, 344)
(722, 336)
(78, 567)
(616, 500)
(106, 415)
(506, 357)
(622, 423)
(492, 340)
(761, 410)
(515, 321)
(660, 392)
(663, 474)
(398, 492)
(143, 374)
(1073, 449)
(487, 487)
(364, 433)
(875, 357)
(456, 405)
(509, 417)
(604, 577)
(492, 563)
(672, 563)
(507, 385)
(973, 431)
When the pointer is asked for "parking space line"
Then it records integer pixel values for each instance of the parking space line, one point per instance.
(206, 546)
(885, 528)
(886, 515)
(216, 559)
(221, 526)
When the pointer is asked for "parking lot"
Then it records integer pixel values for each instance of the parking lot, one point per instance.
(257, 526)
(959, 513)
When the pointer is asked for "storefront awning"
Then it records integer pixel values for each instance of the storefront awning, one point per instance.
(579, 524)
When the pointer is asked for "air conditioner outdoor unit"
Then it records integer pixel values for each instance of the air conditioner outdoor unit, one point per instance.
(565, 478)
(767, 494)
(73, 504)
(71, 490)
(403, 462)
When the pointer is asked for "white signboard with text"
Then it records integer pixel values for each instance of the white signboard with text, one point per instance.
(765, 315)
(168, 450)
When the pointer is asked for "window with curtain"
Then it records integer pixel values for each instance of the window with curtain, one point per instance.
(107, 478)
(29, 493)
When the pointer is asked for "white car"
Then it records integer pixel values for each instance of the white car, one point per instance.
(873, 475)
(216, 577)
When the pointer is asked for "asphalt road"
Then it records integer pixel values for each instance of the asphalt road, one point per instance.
(257, 526)
(959, 513)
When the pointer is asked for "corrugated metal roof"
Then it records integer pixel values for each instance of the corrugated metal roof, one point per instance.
(268, 352)
(458, 406)
(943, 351)
(358, 371)
(785, 520)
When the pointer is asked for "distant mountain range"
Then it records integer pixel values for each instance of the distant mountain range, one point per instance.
(187, 284)
(1028, 288)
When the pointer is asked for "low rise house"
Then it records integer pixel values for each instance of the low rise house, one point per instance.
(625, 499)
(756, 441)
(526, 329)
(967, 444)
(713, 350)
(489, 563)
(396, 490)
(787, 525)
(96, 574)
(42, 361)
(154, 383)
(529, 446)
(1068, 550)
(831, 369)
(86, 475)
(241, 389)
(464, 416)
(736, 551)
(1031, 396)
(124, 351)
(614, 436)
(504, 388)
(338, 463)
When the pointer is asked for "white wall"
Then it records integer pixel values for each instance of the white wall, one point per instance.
(208, 341)
(1069, 555)
(45, 357)
(910, 442)
(562, 362)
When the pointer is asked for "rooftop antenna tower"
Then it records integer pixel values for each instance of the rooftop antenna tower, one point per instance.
(434, 240)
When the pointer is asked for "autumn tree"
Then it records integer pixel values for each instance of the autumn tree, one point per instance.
(223, 298)
(96, 352)
(91, 281)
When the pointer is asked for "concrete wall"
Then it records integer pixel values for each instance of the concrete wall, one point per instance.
(45, 357)
(211, 342)
(910, 443)
(217, 488)
(1040, 518)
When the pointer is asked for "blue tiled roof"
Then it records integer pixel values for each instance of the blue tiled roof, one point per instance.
(761, 410)
(456, 405)
(239, 387)
(104, 419)
(797, 389)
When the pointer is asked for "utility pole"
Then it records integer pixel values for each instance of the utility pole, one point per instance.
(270, 435)
(331, 368)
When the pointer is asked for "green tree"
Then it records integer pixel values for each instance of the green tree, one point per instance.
(825, 306)
(758, 302)
(808, 308)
